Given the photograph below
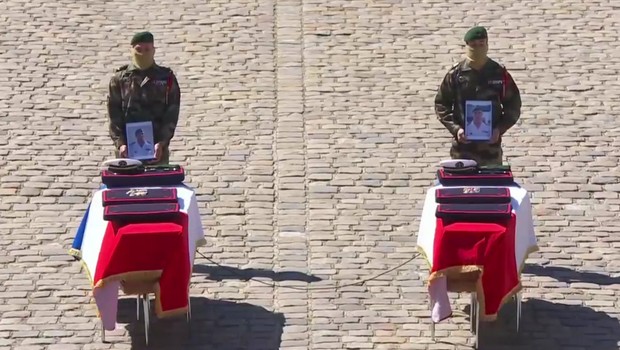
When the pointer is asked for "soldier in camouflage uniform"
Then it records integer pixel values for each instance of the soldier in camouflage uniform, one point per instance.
(477, 77)
(144, 91)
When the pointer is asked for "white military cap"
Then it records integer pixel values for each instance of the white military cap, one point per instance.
(122, 163)
(458, 164)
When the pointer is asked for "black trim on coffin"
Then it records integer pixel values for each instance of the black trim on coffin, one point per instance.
(476, 178)
(474, 212)
(472, 195)
(139, 195)
(143, 212)
(151, 177)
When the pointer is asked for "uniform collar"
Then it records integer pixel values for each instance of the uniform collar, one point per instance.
(133, 68)
(466, 67)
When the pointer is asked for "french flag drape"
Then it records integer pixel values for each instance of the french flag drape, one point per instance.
(484, 247)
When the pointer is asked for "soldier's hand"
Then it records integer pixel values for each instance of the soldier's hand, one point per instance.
(123, 151)
(157, 152)
(495, 136)
(460, 136)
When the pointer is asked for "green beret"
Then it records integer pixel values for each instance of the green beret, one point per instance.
(475, 33)
(142, 37)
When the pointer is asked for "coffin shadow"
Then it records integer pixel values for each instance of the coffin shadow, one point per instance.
(550, 326)
(215, 325)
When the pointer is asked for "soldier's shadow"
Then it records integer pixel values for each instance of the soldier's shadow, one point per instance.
(215, 325)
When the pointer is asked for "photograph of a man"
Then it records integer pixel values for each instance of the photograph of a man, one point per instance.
(141, 147)
(479, 124)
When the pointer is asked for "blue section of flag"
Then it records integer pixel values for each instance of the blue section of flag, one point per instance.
(79, 234)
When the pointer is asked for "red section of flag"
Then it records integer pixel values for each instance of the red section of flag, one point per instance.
(465, 246)
(148, 251)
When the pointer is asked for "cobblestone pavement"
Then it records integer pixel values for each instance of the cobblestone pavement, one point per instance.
(307, 129)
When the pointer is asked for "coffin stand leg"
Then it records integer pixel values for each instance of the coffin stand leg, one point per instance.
(474, 317)
(146, 302)
(189, 316)
(189, 310)
(518, 302)
(102, 333)
(432, 322)
(472, 312)
(477, 307)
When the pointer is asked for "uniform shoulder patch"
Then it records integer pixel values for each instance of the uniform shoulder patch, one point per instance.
(497, 64)
(165, 69)
(501, 68)
(456, 66)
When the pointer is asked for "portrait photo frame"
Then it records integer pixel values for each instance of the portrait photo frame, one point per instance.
(478, 120)
(140, 140)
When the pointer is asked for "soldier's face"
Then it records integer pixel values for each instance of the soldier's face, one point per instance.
(140, 137)
(478, 43)
(143, 49)
(477, 49)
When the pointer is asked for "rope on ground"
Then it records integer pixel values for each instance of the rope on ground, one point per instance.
(357, 283)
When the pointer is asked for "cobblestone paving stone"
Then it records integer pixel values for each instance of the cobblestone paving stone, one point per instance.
(307, 129)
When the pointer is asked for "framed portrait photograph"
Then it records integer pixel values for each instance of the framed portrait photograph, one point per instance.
(140, 141)
(478, 120)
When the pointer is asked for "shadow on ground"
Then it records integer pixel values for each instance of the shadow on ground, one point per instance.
(551, 326)
(215, 325)
(220, 273)
(567, 275)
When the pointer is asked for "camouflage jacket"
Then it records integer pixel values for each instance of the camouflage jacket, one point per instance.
(135, 96)
(492, 82)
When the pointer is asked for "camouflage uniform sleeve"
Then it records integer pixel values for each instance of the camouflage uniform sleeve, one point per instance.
(511, 103)
(171, 116)
(444, 104)
(115, 113)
